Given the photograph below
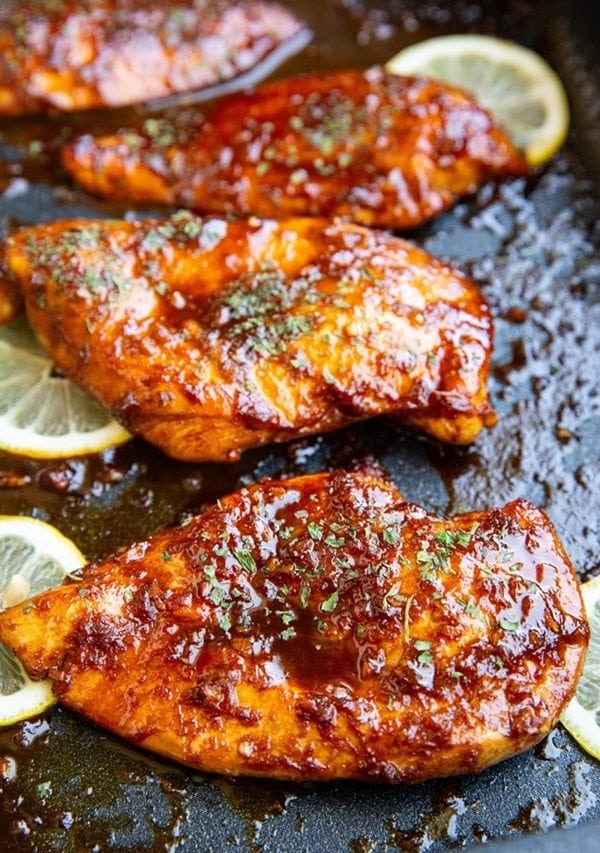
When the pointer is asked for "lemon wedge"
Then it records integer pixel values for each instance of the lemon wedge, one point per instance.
(582, 717)
(34, 556)
(518, 87)
(43, 415)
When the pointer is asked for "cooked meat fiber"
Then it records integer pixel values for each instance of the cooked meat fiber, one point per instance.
(66, 55)
(320, 628)
(372, 147)
(209, 336)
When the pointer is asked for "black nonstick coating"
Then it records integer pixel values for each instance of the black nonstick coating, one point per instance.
(534, 248)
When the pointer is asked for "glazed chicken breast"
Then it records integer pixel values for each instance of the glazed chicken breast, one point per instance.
(10, 299)
(320, 628)
(378, 149)
(209, 336)
(66, 55)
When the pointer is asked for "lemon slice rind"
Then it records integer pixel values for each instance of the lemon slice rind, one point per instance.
(582, 715)
(45, 416)
(44, 538)
(32, 699)
(514, 83)
(43, 556)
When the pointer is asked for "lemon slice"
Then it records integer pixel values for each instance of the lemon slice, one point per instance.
(34, 556)
(582, 717)
(514, 83)
(43, 415)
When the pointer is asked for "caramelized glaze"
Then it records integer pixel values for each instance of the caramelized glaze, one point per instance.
(320, 628)
(209, 336)
(379, 149)
(59, 54)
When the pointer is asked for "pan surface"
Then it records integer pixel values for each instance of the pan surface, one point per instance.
(534, 247)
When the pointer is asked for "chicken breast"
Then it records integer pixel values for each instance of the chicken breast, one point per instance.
(209, 336)
(60, 54)
(10, 299)
(375, 148)
(320, 628)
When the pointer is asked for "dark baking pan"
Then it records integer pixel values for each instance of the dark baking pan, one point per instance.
(534, 247)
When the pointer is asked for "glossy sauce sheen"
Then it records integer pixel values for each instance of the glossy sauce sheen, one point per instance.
(379, 149)
(320, 628)
(57, 54)
(209, 336)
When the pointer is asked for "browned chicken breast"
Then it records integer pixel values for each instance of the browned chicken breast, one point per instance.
(77, 54)
(10, 299)
(320, 628)
(208, 336)
(373, 147)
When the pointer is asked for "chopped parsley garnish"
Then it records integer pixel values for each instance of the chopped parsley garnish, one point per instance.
(315, 530)
(463, 537)
(304, 595)
(509, 625)
(428, 563)
(329, 605)
(391, 535)
(217, 595)
(432, 561)
(287, 633)
(246, 560)
(224, 621)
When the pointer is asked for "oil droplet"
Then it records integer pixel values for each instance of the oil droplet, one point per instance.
(440, 825)
(547, 749)
(566, 809)
(31, 731)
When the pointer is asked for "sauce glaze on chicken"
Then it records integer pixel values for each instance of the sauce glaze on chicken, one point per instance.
(209, 336)
(79, 54)
(320, 628)
(378, 149)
